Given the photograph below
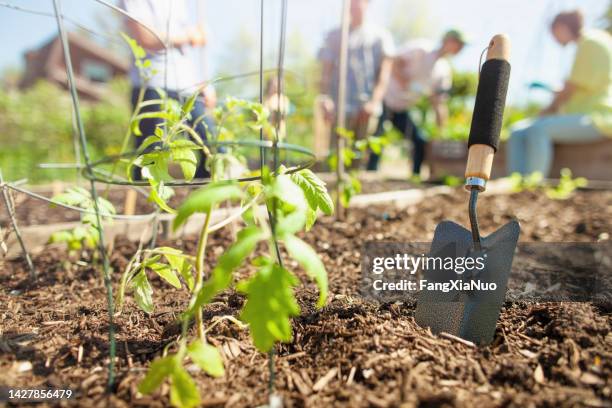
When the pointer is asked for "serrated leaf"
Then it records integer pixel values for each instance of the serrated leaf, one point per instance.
(183, 390)
(143, 292)
(179, 262)
(159, 370)
(207, 357)
(166, 273)
(310, 261)
(315, 191)
(221, 277)
(270, 305)
(204, 199)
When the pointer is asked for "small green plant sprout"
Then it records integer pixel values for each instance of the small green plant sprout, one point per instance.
(351, 185)
(566, 186)
(530, 182)
(452, 181)
(535, 181)
(84, 236)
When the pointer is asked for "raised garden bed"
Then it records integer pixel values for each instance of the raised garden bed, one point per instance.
(352, 352)
(448, 158)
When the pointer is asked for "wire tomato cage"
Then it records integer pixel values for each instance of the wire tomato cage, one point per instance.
(95, 174)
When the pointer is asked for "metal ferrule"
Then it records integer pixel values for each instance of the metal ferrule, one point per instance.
(475, 183)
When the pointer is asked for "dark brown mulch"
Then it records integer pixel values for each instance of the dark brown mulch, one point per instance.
(350, 353)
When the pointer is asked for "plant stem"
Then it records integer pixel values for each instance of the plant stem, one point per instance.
(200, 255)
(128, 133)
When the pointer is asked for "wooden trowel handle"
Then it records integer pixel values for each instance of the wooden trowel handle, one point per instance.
(488, 111)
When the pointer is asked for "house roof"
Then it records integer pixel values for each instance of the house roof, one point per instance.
(118, 61)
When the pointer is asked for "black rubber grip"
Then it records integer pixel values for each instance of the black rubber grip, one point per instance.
(490, 102)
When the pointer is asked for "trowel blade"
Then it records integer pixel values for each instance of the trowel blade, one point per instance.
(468, 313)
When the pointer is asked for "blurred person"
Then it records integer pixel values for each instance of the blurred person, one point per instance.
(420, 69)
(180, 74)
(278, 105)
(580, 112)
(370, 49)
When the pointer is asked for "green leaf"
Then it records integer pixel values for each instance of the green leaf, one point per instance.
(189, 103)
(207, 357)
(179, 263)
(183, 390)
(157, 195)
(159, 370)
(166, 273)
(137, 50)
(148, 142)
(294, 205)
(155, 166)
(143, 292)
(291, 223)
(315, 191)
(230, 260)
(182, 152)
(204, 199)
(311, 218)
(270, 305)
(310, 261)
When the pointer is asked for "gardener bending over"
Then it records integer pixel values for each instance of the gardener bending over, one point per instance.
(580, 112)
(181, 70)
(419, 69)
(370, 49)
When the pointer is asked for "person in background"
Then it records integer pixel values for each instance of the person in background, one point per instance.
(278, 105)
(370, 49)
(420, 68)
(180, 74)
(580, 112)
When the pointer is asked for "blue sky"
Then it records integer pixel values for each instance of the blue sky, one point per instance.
(535, 55)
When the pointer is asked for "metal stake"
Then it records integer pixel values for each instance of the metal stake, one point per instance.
(10, 209)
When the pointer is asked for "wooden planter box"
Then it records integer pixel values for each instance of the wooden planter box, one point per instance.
(590, 160)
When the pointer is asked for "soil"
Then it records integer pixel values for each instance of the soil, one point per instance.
(352, 352)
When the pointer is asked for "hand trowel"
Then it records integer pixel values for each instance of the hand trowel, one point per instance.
(464, 285)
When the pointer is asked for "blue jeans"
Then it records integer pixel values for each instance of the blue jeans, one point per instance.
(402, 122)
(530, 147)
(147, 126)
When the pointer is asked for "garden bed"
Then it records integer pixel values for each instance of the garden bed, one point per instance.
(352, 352)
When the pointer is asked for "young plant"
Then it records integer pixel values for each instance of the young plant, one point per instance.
(566, 186)
(535, 181)
(351, 184)
(293, 201)
(530, 182)
(84, 236)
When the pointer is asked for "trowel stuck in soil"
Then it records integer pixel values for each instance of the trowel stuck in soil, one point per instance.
(471, 307)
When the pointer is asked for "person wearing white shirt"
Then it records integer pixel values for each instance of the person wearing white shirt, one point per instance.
(370, 52)
(178, 70)
(419, 69)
